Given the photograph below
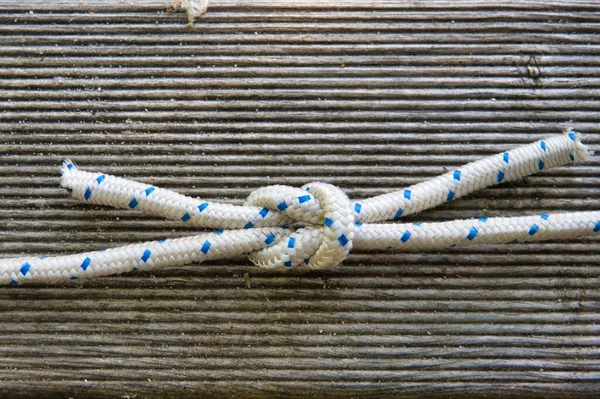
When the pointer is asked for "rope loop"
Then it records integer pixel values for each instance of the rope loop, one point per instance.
(326, 235)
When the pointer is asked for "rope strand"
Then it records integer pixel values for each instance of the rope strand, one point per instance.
(324, 224)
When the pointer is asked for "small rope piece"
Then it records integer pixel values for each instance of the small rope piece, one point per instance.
(324, 225)
(193, 9)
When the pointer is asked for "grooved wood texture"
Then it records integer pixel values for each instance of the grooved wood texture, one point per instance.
(368, 96)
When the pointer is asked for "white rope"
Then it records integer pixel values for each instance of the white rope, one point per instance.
(324, 225)
(193, 9)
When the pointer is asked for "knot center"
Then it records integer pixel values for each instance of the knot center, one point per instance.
(324, 243)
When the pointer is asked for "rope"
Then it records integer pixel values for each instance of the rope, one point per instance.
(324, 225)
(193, 9)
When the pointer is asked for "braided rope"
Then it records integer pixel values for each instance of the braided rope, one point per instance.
(324, 224)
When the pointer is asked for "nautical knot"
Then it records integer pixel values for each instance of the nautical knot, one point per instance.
(327, 225)
(312, 227)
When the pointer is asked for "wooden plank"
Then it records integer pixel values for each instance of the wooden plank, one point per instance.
(371, 96)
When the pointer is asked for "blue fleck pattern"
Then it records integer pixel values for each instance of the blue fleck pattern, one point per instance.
(146, 255)
(472, 233)
(86, 262)
(406, 236)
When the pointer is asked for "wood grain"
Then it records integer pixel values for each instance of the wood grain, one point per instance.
(371, 96)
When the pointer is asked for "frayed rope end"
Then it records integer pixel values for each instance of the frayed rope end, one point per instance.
(66, 170)
(582, 152)
(67, 166)
(193, 9)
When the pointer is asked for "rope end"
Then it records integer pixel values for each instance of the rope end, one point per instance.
(193, 9)
(67, 169)
(582, 153)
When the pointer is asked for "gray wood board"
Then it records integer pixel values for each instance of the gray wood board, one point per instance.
(368, 96)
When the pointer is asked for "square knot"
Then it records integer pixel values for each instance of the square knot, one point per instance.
(326, 235)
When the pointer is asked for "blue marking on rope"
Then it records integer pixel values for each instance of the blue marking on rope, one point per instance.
(483, 219)
(287, 263)
(457, 175)
(133, 203)
(13, 282)
(149, 191)
(328, 222)
(472, 233)
(358, 224)
(572, 136)
(219, 232)
(543, 145)
(69, 166)
(357, 207)
(399, 213)
(417, 224)
(282, 206)
(343, 240)
(544, 216)
(100, 178)
(249, 225)
(146, 255)
(597, 228)
(571, 157)
(186, 216)
(86, 262)
(303, 199)
(534, 229)
(202, 206)
(25, 268)
(515, 241)
(205, 247)
(541, 164)
(74, 278)
(291, 242)
(306, 261)
(270, 238)
(307, 189)
(405, 236)
(450, 195)
(500, 176)
(162, 240)
(263, 212)
(88, 194)
(407, 194)
(505, 157)
(43, 257)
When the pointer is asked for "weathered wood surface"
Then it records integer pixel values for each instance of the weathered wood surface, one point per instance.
(366, 95)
